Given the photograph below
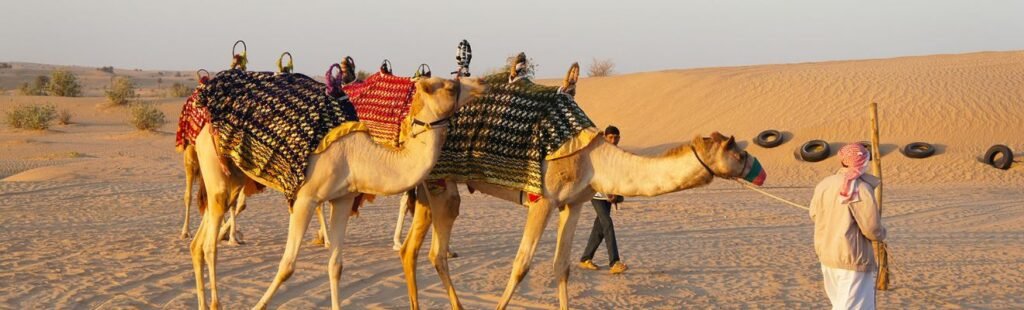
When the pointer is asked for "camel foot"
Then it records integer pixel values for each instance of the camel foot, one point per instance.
(452, 254)
(259, 306)
(396, 247)
(318, 241)
(235, 242)
(184, 236)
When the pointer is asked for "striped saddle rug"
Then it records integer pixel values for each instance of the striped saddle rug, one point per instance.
(191, 120)
(269, 124)
(502, 136)
(382, 102)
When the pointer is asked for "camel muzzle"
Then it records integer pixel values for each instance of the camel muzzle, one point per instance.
(755, 173)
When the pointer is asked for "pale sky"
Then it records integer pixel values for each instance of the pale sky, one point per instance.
(636, 35)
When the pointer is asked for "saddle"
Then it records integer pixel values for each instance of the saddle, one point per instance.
(383, 102)
(502, 136)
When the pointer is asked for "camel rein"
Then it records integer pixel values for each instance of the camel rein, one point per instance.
(753, 188)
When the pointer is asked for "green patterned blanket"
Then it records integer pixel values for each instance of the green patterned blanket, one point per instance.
(502, 136)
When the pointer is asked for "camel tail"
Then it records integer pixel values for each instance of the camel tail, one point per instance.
(201, 196)
(410, 202)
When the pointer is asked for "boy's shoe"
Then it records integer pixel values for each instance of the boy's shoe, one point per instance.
(618, 268)
(589, 265)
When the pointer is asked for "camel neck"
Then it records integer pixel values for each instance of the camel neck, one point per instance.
(396, 170)
(620, 172)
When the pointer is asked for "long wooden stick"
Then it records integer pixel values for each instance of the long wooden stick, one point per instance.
(753, 188)
(881, 254)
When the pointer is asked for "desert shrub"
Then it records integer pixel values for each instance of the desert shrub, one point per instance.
(4, 65)
(531, 67)
(107, 69)
(36, 88)
(36, 117)
(601, 67)
(64, 84)
(362, 75)
(64, 117)
(145, 117)
(178, 90)
(121, 91)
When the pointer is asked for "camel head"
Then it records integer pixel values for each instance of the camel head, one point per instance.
(436, 98)
(727, 160)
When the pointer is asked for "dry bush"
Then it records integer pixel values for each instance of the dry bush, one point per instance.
(64, 117)
(36, 88)
(107, 69)
(178, 90)
(362, 75)
(37, 117)
(121, 91)
(601, 67)
(4, 65)
(64, 84)
(145, 117)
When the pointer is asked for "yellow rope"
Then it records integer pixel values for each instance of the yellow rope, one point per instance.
(753, 188)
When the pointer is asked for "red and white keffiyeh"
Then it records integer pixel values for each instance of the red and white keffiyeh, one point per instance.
(855, 157)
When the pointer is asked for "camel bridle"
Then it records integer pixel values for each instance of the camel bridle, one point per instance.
(746, 161)
(443, 122)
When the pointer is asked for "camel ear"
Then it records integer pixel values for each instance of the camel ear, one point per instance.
(449, 85)
(698, 142)
(730, 144)
(717, 136)
(425, 86)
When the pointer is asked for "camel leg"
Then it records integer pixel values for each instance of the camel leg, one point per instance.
(321, 234)
(204, 245)
(341, 209)
(210, 240)
(443, 215)
(191, 169)
(234, 235)
(220, 188)
(403, 207)
(413, 241)
(196, 248)
(302, 212)
(228, 232)
(536, 220)
(568, 217)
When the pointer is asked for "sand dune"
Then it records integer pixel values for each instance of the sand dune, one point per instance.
(89, 212)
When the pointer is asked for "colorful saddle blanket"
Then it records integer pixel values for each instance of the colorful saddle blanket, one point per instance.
(269, 124)
(502, 136)
(382, 103)
(191, 120)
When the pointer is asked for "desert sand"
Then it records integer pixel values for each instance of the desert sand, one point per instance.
(90, 212)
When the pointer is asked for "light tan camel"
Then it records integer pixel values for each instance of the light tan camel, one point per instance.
(568, 183)
(352, 165)
(229, 231)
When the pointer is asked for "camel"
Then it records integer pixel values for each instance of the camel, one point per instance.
(346, 169)
(568, 182)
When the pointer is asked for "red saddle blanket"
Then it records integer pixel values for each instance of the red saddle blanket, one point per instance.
(382, 103)
(192, 120)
